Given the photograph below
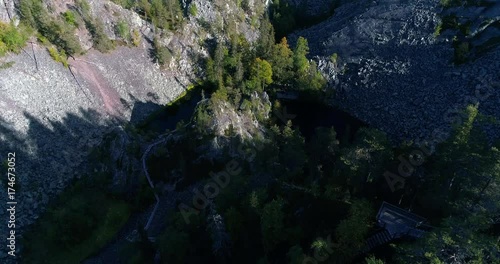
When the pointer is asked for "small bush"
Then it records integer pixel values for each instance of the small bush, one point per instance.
(95, 26)
(70, 18)
(438, 29)
(136, 37)
(58, 56)
(161, 54)
(11, 38)
(101, 41)
(123, 30)
(34, 14)
(193, 10)
(6, 65)
(334, 58)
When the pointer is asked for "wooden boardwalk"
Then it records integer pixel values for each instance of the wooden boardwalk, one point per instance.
(395, 223)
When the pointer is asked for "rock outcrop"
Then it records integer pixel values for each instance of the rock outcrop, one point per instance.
(393, 73)
(52, 115)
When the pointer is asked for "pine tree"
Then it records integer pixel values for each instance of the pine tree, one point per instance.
(282, 62)
(300, 61)
(272, 224)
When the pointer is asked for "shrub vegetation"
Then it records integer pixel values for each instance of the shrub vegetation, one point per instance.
(61, 34)
(12, 39)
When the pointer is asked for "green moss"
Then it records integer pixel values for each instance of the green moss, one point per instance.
(161, 54)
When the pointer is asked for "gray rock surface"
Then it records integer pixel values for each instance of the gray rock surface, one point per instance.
(394, 74)
(7, 11)
(314, 8)
(54, 119)
(53, 116)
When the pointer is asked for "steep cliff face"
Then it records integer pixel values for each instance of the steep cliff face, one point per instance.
(393, 72)
(314, 8)
(51, 115)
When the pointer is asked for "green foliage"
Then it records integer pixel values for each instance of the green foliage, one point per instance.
(300, 61)
(322, 151)
(282, 62)
(373, 260)
(468, 162)
(193, 10)
(350, 234)
(463, 186)
(164, 14)
(6, 65)
(61, 34)
(95, 26)
(292, 150)
(11, 38)
(272, 225)
(334, 58)
(136, 38)
(83, 220)
(58, 56)
(70, 18)
(161, 54)
(261, 74)
(203, 119)
(438, 29)
(462, 238)
(128, 4)
(101, 41)
(313, 81)
(364, 161)
(450, 3)
(283, 17)
(123, 30)
(266, 40)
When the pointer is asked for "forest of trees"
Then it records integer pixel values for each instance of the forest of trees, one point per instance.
(291, 199)
(298, 200)
(241, 68)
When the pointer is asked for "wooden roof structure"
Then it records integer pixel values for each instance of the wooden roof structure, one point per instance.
(395, 222)
(400, 222)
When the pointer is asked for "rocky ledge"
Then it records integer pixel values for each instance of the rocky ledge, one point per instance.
(393, 73)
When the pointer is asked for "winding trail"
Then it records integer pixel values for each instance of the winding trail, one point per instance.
(111, 252)
(163, 138)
